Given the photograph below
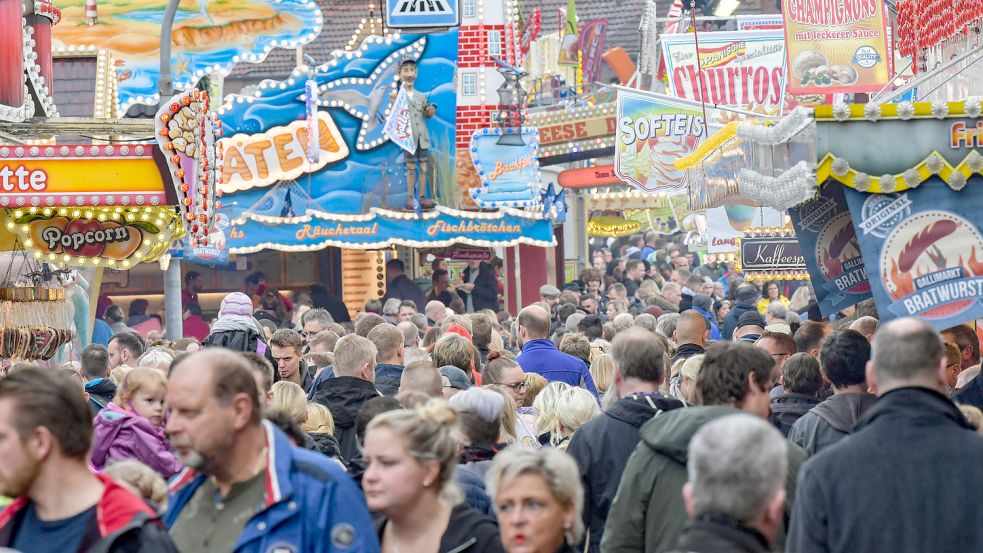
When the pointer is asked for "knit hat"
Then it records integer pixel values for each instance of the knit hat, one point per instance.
(703, 301)
(458, 378)
(236, 303)
(750, 318)
(747, 293)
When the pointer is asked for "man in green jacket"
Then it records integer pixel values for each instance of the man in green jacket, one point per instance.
(648, 512)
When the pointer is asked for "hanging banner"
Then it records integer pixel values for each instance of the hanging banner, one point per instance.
(726, 225)
(531, 30)
(591, 46)
(832, 253)
(653, 131)
(398, 127)
(923, 250)
(744, 69)
(841, 48)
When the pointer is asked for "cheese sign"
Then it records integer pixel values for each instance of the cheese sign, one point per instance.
(744, 69)
(258, 160)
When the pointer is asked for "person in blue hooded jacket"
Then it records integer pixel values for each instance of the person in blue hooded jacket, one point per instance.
(540, 356)
(247, 489)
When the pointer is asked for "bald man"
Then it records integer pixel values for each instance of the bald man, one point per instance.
(540, 356)
(865, 325)
(691, 335)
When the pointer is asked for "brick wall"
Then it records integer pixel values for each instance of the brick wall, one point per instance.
(471, 119)
(473, 45)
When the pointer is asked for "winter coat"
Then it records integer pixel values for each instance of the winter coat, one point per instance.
(485, 293)
(971, 393)
(907, 480)
(239, 334)
(719, 534)
(468, 531)
(685, 351)
(326, 444)
(542, 357)
(387, 378)
(310, 504)
(402, 288)
(122, 434)
(123, 524)
(730, 321)
(648, 513)
(602, 447)
(101, 391)
(788, 408)
(830, 421)
(344, 396)
(473, 486)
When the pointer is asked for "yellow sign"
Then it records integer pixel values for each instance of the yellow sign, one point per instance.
(256, 160)
(57, 176)
(836, 47)
(583, 129)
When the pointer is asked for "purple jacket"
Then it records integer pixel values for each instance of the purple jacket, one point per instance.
(122, 434)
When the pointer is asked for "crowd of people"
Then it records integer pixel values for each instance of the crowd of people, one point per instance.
(656, 404)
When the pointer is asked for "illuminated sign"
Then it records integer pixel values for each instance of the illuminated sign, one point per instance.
(59, 176)
(79, 237)
(509, 173)
(278, 154)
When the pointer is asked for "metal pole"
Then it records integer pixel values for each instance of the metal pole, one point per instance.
(172, 276)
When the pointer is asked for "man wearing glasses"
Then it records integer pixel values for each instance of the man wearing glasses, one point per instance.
(314, 321)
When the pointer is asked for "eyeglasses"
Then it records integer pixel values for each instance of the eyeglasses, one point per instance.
(521, 385)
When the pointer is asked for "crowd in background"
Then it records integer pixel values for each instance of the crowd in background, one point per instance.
(657, 403)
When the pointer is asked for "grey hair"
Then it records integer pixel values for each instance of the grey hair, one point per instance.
(646, 321)
(667, 324)
(391, 307)
(486, 404)
(554, 466)
(622, 322)
(778, 310)
(156, 358)
(420, 320)
(736, 464)
(573, 320)
(320, 315)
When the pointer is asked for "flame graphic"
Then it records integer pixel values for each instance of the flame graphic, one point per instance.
(903, 282)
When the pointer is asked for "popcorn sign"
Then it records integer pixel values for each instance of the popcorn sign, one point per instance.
(652, 132)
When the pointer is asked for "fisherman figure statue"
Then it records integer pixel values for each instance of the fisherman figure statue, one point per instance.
(419, 111)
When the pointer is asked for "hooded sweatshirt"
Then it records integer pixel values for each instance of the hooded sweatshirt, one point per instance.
(602, 447)
(648, 514)
(830, 421)
(344, 396)
(122, 434)
(468, 531)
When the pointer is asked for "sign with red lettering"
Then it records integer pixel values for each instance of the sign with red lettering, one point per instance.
(744, 69)
(583, 129)
(836, 47)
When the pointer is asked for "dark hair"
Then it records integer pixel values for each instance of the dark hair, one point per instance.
(591, 326)
(48, 398)
(130, 341)
(564, 311)
(814, 313)
(843, 356)
(725, 370)
(139, 307)
(478, 430)
(809, 336)
(255, 278)
(407, 61)
(396, 265)
(373, 306)
(437, 274)
(191, 275)
(498, 361)
(289, 426)
(867, 308)
(367, 322)
(965, 337)
(481, 330)
(496, 262)
(193, 308)
(95, 361)
(779, 337)
(369, 410)
(638, 354)
(801, 374)
(113, 314)
(408, 303)
(632, 263)
(764, 289)
(435, 265)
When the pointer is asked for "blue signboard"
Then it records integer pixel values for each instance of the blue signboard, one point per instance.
(829, 244)
(509, 173)
(422, 14)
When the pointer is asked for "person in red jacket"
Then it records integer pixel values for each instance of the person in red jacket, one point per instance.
(60, 504)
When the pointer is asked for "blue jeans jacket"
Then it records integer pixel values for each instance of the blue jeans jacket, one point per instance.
(311, 504)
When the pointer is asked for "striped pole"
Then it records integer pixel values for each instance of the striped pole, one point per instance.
(91, 14)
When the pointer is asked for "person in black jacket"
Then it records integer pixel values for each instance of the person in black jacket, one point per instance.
(237, 330)
(480, 289)
(352, 385)
(801, 381)
(602, 446)
(322, 298)
(735, 493)
(94, 361)
(399, 286)
(746, 301)
(411, 459)
(872, 491)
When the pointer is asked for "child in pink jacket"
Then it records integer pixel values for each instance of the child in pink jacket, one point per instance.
(131, 427)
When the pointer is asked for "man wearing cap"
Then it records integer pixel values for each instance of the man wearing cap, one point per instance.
(703, 304)
(750, 326)
(455, 380)
(746, 300)
(549, 294)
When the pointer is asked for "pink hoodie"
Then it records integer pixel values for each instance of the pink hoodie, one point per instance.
(123, 434)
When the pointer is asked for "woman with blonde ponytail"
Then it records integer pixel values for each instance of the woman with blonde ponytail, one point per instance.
(411, 455)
